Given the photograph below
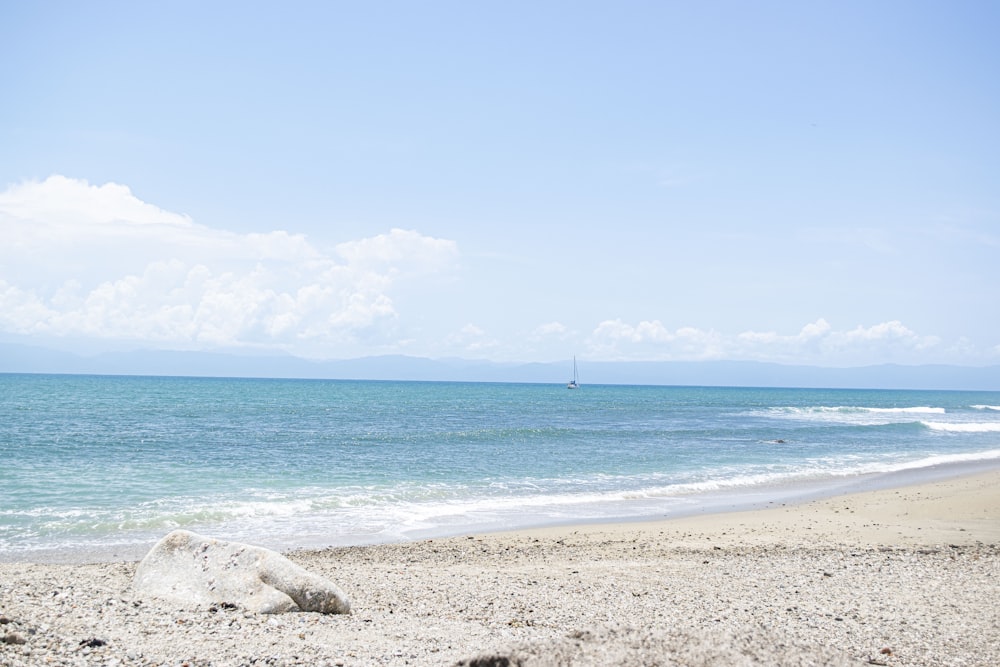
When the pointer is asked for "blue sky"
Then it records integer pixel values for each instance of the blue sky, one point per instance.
(795, 182)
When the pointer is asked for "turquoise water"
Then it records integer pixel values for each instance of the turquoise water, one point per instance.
(103, 466)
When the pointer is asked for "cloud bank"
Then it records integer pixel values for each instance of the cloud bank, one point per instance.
(817, 342)
(96, 261)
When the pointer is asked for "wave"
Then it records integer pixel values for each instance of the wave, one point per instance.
(320, 516)
(920, 409)
(815, 471)
(964, 427)
(943, 459)
(856, 409)
(855, 415)
(986, 407)
(409, 517)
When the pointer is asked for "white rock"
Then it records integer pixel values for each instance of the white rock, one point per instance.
(189, 569)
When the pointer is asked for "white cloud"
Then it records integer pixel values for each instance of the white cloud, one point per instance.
(808, 335)
(615, 339)
(471, 339)
(817, 342)
(91, 260)
(885, 331)
(74, 203)
(550, 329)
(401, 249)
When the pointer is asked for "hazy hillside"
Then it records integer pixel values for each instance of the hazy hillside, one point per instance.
(18, 358)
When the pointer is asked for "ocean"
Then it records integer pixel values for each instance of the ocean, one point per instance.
(100, 467)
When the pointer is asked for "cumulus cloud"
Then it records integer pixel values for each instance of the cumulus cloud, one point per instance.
(79, 259)
(471, 339)
(616, 339)
(75, 204)
(550, 329)
(816, 342)
(400, 249)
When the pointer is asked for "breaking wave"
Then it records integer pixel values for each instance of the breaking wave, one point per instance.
(964, 427)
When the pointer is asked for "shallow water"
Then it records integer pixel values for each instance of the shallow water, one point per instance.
(106, 465)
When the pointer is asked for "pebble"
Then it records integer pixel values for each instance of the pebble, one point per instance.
(437, 604)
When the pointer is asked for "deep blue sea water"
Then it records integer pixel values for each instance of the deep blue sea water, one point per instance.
(102, 466)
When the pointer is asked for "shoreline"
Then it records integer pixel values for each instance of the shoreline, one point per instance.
(656, 509)
(787, 495)
(905, 575)
(943, 506)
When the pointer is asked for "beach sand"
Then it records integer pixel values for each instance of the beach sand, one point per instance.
(900, 576)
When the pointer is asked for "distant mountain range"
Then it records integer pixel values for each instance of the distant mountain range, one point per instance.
(20, 358)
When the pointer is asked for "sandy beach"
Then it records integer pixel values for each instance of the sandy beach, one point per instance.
(899, 576)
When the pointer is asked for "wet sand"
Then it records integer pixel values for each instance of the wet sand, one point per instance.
(898, 576)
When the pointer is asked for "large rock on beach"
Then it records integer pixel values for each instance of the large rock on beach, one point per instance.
(192, 570)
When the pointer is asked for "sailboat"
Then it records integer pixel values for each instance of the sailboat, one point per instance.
(573, 384)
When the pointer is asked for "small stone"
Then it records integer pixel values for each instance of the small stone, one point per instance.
(13, 638)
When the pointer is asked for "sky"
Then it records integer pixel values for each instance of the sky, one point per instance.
(808, 183)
